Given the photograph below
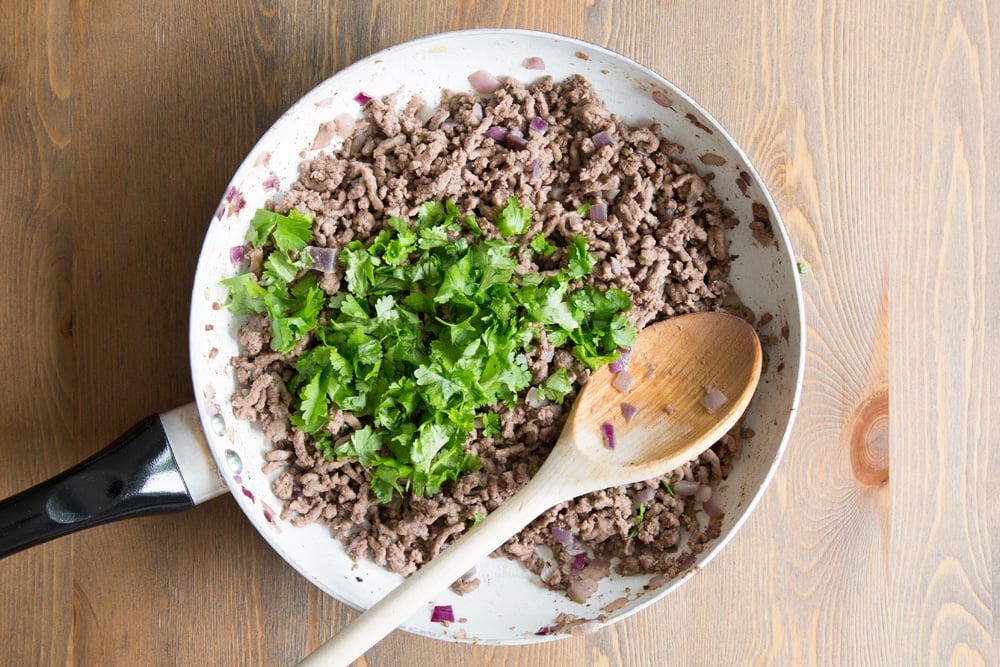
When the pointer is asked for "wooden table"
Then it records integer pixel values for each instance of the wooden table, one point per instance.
(874, 123)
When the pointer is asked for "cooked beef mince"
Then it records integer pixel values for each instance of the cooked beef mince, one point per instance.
(661, 240)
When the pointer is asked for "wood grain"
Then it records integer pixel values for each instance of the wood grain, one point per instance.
(876, 125)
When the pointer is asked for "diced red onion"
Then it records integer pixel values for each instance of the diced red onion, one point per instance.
(623, 382)
(534, 62)
(603, 138)
(662, 98)
(581, 589)
(712, 507)
(497, 134)
(584, 627)
(598, 212)
(535, 167)
(644, 496)
(562, 536)
(477, 111)
(703, 493)
(622, 362)
(515, 139)
(538, 124)
(579, 562)
(483, 82)
(362, 99)
(248, 493)
(608, 430)
(324, 259)
(237, 253)
(271, 182)
(468, 576)
(685, 487)
(449, 124)
(629, 411)
(443, 614)
(533, 399)
(713, 400)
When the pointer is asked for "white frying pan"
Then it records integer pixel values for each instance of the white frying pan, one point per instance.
(180, 458)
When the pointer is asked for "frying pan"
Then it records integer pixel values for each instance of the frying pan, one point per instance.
(186, 456)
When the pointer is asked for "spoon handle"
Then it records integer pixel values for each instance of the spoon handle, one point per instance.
(419, 588)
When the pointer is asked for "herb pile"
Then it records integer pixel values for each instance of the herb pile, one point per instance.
(429, 336)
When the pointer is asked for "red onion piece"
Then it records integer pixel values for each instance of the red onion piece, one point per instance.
(608, 430)
(324, 259)
(362, 99)
(623, 382)
(581, 589)
(535, 167)
(483, 82)
(685, 487)
(713, 400)
(237, 253)
(629, 411)
(584, 627)
(579, 562)
(248, 493)
(497, 134)
(598, 212)
(603, 138)
(562, 536)
(712, 507)
(622, 362)
(477, 111)
(469, 575)
(644, 496)
(538, 124)
(703, 493)
(515, 139)
(534, 62)
(443, 614)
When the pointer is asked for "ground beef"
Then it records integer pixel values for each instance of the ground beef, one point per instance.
(661, 240)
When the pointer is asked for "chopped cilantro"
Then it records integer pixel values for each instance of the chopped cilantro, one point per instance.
(582, 209)
(541, 245)
(428, 334)
(513, 218)
(640, 517)
(669, 489)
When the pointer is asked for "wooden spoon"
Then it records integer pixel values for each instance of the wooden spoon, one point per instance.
(675, 364)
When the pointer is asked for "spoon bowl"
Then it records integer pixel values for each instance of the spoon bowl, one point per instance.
(674, 365)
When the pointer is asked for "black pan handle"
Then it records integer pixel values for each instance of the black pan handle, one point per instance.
(137, 474)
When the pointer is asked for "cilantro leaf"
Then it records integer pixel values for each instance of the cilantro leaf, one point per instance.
(541, 245)
(581, 262)
(556, 386)
(289, 232)
(513, 218)
(245, 294)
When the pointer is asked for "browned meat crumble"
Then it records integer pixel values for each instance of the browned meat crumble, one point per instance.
(662, 241)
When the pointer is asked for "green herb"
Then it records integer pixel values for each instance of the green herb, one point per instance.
(429, 334)
(541, 245)
(582, 209)
(639, 519)
(669, 489)
(802, 266)
(476, 519)
(513, 218)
